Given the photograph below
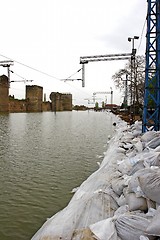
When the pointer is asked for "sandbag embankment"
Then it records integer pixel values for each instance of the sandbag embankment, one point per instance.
(121, 199)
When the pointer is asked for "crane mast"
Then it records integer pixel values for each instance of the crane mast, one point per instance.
(151, 110)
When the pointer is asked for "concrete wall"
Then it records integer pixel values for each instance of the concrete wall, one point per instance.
(4, 92)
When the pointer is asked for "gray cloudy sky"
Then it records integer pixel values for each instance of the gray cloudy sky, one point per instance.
(51, 35)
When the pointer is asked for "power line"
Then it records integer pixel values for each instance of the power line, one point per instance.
(141, 37)
(82, 91)
(37, 70)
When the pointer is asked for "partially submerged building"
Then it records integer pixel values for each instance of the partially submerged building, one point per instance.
(61, 101)
(34, 99)
(4, 94)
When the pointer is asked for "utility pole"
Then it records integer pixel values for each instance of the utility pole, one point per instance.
(7, 63)
(133, 73)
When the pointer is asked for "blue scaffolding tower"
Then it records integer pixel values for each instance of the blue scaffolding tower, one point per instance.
(151, 111)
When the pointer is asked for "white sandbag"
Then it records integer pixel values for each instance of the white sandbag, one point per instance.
(134, 183)
(118, 184)
(148, 136)
(138, 166)
(125, 191)
(150, 185)
(127, 136)
(151, 212)
(127, 146)
(152, 159)
(111, 193)
(132, 153)
(157, 149)
(121, 200)
(104, 230)
(121, 150)
(155, 142)
(154, 227)
(139, 146)
(151, 204)
(126, 165)
(143, 238)
(84, 233)
(121, 210)
(136, 203)
(130, 226)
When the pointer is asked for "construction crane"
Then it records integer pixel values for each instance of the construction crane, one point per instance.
(92, 101)
(111, 92)
(96, 58)
(151, 110)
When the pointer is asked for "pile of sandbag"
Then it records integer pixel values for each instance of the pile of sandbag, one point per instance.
(120, 201)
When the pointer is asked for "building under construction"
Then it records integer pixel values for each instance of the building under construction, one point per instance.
(34, 99)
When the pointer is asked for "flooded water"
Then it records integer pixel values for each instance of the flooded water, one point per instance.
(43, 156)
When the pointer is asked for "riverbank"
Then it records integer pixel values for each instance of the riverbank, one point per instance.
(118, 201)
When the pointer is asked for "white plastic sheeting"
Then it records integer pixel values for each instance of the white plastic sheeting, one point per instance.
(113, 203)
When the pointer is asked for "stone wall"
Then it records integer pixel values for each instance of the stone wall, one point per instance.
(4, 92)
(16, 105)
(46, 106)
(34, 97)
(61, 101)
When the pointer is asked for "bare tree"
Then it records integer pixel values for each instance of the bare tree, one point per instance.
(135, 77)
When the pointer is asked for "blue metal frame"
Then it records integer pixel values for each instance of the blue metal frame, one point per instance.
(151, 111)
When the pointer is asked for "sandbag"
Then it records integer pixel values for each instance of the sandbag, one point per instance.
(138, 166)
(126, 165)
(121, 210)
(131, 227)
(83, 234)
(150, 185)
(118, 184)
(152, 159)
(148, 136)
(121, 200)
(104, 230)
(154, 227)
(139, 146)
(134, 183)
(155, 142)
(136, 203)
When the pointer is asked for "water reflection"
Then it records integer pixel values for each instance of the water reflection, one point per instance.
(43, 157)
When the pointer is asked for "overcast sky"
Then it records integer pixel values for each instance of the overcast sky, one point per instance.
(51, 35)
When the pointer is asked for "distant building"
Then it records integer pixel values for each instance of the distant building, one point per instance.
(34, 98)
(4, 94)
(61, 101)
(112, 106)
